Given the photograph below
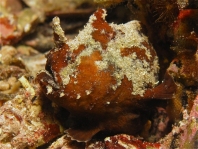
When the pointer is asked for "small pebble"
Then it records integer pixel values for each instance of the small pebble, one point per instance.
(4, 86)
(8, 52)
(12, 81)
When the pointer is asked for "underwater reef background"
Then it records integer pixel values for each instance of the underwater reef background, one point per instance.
(104, 74)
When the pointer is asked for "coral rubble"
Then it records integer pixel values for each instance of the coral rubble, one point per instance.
(24, 123)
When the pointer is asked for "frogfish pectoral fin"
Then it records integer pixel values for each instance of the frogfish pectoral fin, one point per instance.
(165, 90)
(81, 135)
(47, 84)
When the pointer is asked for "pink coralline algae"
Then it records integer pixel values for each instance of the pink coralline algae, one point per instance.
(186, 131)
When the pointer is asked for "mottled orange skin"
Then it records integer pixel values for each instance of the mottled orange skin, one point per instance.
(118, 116)
(90, 78)
(102, 108)
(103, 33)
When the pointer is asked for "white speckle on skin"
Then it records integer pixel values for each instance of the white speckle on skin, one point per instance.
(78, 96)
(49, 89)
(62, 94)
(102, 65)
(107, 102)
(104, 14)
(88, 92)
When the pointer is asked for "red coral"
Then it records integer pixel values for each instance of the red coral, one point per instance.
(125, 141)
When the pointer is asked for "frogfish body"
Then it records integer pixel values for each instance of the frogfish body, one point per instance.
(103, 76)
